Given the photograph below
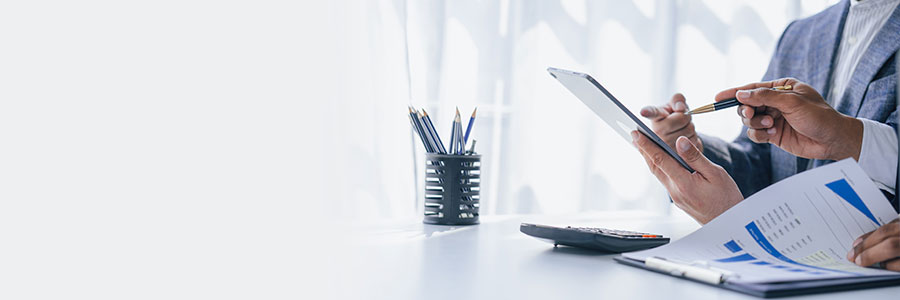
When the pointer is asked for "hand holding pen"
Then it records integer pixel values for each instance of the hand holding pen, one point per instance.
(797, 120)
(727, 103)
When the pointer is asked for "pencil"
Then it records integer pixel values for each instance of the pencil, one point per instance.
(457, 123)
(415, 124)
(731, 102)
(437, 138)
(453, 137)
(469, 127)
(428, 136)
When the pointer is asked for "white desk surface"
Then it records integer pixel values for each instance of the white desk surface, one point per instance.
(493, 260)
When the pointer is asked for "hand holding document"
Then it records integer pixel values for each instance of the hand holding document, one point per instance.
(800, 228)
(878, 247)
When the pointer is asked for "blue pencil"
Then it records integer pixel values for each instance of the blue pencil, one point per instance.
(462, 145)
(469, 127)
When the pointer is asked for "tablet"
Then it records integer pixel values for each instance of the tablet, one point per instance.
(616, 115)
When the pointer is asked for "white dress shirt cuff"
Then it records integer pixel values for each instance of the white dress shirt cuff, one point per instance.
(878, 155)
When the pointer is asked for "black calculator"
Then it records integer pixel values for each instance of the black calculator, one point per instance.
(602, 239)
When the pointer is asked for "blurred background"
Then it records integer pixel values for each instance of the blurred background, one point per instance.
(211, 149)
(543, 151)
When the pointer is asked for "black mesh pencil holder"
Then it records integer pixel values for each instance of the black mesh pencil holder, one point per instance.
(452, 188)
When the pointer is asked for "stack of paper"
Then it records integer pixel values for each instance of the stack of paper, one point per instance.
(800, 228)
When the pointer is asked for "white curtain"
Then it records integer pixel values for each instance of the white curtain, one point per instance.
(543, 151)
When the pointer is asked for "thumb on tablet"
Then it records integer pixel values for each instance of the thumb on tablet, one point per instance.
(693, 156)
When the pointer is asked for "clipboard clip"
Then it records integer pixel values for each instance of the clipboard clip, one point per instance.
(698, 272)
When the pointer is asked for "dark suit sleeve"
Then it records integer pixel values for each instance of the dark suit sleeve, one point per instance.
(748, 163)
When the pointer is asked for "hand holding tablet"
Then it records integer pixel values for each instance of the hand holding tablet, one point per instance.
(696, 185)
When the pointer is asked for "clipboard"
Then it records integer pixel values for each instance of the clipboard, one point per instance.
(784, 289)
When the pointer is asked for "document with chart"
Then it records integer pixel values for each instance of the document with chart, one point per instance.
(800, 228)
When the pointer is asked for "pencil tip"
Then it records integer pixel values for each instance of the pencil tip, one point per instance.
(474, 111)
(424, 113)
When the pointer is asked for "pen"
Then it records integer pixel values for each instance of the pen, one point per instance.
(731, 102)
(678, 269)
